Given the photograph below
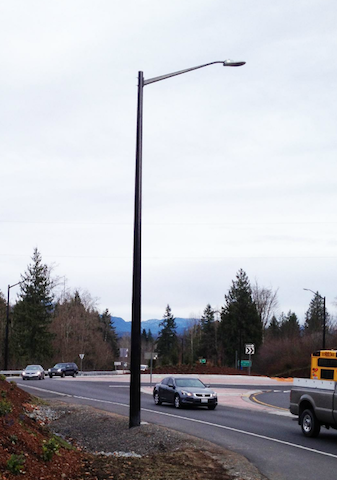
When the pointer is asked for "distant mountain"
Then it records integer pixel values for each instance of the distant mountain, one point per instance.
(123, 328)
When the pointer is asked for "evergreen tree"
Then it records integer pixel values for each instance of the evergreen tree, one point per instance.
(109, 332)
(31, 341)
(167, 343)
(150, 339)
(144, 336)
(273, 329)
(240, 321)
(147, 342)
(207, 345)
(289, 325)
(314, 317)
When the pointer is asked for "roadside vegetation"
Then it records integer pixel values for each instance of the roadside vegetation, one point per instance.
(44, 328)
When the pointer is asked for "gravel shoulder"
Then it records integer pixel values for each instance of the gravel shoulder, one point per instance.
(144, 452)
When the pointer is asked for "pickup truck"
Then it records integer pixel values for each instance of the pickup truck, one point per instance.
(315, 404)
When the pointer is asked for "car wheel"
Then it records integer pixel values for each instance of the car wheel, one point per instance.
(63, 374)
(309, 424)
(50, 375)
(211, 407)
(40, 377)
(177, 403)
(156, 398)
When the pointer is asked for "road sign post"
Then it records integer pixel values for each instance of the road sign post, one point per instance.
(150, 356)
(249, 350)
(81, 355)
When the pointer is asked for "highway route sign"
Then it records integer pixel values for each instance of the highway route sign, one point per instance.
(246, 363)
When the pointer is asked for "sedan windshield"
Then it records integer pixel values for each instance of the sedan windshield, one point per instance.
(33, 367)
(189, 382)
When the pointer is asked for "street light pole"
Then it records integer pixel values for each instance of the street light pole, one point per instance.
(134, 417)
(324, 314)
(7, 327)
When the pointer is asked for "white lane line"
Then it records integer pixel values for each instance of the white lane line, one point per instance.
(203, 422)
(101, 401)
(119, 386)
(49, 391)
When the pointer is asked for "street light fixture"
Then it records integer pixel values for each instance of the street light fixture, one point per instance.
(134, 418)
(7, 327)
(324, 313)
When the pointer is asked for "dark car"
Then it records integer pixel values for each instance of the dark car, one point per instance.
(184, 391)
(63, 369)
(33, 371)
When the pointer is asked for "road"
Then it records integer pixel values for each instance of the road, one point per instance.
(268, 437)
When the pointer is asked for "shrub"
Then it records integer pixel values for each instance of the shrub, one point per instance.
(49, 448)
(5, 408)
(15, 463)
(13, 439)
(2, 378)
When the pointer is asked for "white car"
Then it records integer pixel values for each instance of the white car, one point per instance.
(33, 371)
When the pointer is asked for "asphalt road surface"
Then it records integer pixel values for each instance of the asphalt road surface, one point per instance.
(271, 439)
(277, 398)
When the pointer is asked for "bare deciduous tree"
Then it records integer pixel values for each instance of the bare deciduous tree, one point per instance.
(266, 302)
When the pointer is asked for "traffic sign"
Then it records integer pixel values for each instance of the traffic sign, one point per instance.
(246, 363)
(249, 349)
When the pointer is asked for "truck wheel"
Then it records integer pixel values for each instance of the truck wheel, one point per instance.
(309, 424)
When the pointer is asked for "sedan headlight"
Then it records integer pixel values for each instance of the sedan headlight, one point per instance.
(23, 373)
(186, 393)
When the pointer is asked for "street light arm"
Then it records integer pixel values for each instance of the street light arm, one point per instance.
(226, 63)
(315, 293)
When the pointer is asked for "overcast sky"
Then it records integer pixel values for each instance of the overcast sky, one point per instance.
(239, 164)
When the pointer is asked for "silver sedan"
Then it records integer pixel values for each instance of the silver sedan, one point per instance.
(33, 371)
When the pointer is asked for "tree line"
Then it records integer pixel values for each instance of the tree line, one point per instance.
(282, 346)
(45, 330)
